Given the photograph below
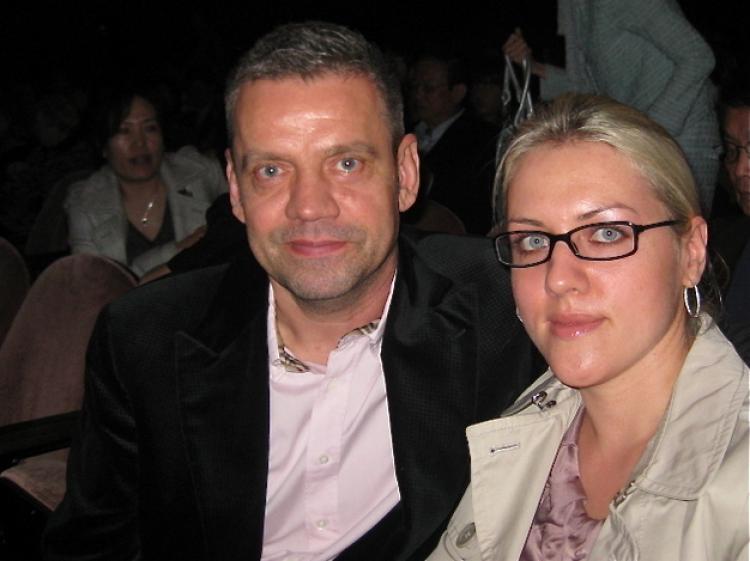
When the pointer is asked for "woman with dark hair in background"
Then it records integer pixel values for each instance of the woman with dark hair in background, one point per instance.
(142, 206)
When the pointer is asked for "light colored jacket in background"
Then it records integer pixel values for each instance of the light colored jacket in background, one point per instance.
(688, 496)
(644, 53)
(96, 217)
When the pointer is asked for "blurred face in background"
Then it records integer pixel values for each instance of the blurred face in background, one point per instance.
(736, 158)
(135, 151)
(434, 98)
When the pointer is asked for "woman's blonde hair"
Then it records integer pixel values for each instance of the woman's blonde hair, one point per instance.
(592, 118)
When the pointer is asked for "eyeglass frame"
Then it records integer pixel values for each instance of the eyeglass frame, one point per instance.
(566, 237)
(739, 148)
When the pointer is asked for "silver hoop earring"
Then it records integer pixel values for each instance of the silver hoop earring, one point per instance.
(693, 312)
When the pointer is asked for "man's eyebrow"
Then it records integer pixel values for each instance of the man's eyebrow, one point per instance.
(251, 156)
(356, 147)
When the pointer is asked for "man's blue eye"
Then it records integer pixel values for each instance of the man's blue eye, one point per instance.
(348, 164)
(269, 171)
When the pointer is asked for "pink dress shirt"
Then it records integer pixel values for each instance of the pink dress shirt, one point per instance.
(331, 475)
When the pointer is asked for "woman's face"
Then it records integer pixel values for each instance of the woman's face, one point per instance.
(135, 151)
(596, 320)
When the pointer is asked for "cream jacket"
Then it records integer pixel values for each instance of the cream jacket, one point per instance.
(96, 218)
(688, 496)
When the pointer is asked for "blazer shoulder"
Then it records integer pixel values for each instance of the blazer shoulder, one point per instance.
(459, 257)
(172, 303)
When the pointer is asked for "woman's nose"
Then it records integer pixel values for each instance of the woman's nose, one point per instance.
(565, 271)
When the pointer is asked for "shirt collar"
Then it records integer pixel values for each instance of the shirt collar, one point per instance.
(281, 356)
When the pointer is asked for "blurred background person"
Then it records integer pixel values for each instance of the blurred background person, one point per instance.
(643, 53)
(142, 206)
(730, 234)
(456, 148)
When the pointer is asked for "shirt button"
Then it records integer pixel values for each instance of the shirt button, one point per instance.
(322, 523)
(323, 459)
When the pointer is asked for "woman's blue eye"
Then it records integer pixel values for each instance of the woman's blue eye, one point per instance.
(607, 234)
(533, 242)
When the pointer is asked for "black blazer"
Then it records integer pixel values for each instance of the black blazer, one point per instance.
(173, 453)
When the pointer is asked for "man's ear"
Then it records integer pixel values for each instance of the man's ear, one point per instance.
(695, 254)
(407, 159)
(234, 188)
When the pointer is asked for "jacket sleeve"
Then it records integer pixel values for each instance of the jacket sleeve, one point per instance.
(97, 517)
(80, 227)
(555, 82)
(153, 258)
(663, 25)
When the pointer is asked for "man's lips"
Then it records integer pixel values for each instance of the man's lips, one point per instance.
(570, 326)
(315, 248)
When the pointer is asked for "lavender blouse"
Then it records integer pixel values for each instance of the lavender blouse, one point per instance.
(561, 529)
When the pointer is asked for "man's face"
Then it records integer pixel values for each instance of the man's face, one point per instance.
(313, 175)
(434, 99)
(737, 137)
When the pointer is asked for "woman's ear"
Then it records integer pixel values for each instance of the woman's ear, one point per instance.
(695, 251)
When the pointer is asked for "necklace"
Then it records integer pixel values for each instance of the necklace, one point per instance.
(149, 206)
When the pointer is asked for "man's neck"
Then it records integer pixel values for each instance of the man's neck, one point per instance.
(311, 330)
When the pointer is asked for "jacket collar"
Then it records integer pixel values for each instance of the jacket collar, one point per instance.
(697, 427)
(680, 460)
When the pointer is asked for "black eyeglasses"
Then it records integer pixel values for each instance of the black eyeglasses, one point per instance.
(603, 241)
(732, 151)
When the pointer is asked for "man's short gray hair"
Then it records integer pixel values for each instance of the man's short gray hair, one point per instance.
(310, 50)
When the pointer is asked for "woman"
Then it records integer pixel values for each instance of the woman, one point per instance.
(634, 445)
(643, 53)
(143, 206)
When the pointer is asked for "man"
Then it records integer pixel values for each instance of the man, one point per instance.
(731, 233)
(309, 402)
(457, 148)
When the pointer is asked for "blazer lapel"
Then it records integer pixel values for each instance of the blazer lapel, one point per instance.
(224, 412)
(429, 360)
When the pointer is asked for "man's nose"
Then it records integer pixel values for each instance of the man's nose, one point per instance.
(311, 197)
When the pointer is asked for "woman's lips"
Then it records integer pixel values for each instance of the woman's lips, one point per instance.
(316, 248)
(142, 160)
(570, 326)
